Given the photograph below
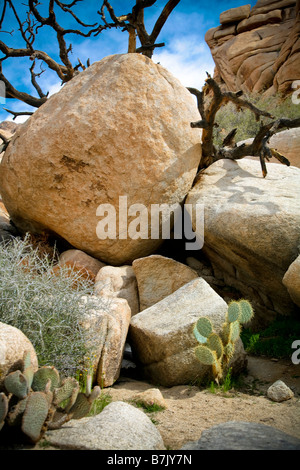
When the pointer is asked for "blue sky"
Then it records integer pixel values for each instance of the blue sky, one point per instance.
(185, 54)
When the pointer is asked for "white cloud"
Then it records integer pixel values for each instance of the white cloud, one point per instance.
(188, 60)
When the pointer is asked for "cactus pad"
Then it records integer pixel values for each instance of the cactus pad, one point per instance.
(3, 408)
(14, 417)
(235, 330)
(81, 407)
(35, 415)
(214, 342)
(229, 350)
(202, 329)
(16, 383)
(233, 311)
(246, 311)
(42, 376)
(206, 355)
(69, 388)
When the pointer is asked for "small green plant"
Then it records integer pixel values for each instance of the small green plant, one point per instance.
(149, 408)
(274, 340)
(247, 126)
(217, 350)
(36, 401)
(226, 386)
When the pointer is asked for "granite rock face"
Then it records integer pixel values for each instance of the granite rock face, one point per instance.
(252, 230)
(119, 426)
(162, 337)
(158, 277)
(257, 50)
(62, 173)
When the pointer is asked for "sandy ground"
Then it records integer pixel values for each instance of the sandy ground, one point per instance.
(191, 410)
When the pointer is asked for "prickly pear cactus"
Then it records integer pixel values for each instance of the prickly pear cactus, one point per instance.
(217, 350)
(36, 401)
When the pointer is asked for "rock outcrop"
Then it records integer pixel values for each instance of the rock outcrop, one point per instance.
(121, 128)
(257, 50)
(162, 337)
(251, 230)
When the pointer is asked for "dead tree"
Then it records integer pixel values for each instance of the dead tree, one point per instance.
(209, 101)
(30, 26)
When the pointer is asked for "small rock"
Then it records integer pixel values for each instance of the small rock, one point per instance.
(81, 260)
(279, 392)
(162, 337)
(152, 396)
(291, 280)
(158, 276)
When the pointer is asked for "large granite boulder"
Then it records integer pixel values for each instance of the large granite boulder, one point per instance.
(119, 128)
(257, 50)
(235, 435)
(162, 340)
(252, 229)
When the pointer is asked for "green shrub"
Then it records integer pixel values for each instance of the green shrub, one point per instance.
(275, 340)
(228, 118)
(47, 308)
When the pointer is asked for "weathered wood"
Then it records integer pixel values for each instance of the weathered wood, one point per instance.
(209, 101)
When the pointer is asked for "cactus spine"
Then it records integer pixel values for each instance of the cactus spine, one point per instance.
(217, 350)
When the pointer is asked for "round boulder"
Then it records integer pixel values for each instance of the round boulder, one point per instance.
(115, 140)
(13, 345)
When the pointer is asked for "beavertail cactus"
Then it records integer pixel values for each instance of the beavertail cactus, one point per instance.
(16, 383)
(217, 350)
(39, 401)
(35, 414)
(42, 376)
(3, 409)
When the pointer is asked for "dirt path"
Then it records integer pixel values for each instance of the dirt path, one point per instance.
(191, 410)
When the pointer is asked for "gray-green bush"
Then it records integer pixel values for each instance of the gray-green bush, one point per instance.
(47, 308)
(228, 118)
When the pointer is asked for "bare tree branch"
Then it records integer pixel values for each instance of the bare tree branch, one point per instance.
(34, 21)
(16, 114)
(209, 101)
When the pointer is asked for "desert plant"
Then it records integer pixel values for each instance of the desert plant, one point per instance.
(47, 308)
(217, 350)
(35, 402)
(247, 126)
